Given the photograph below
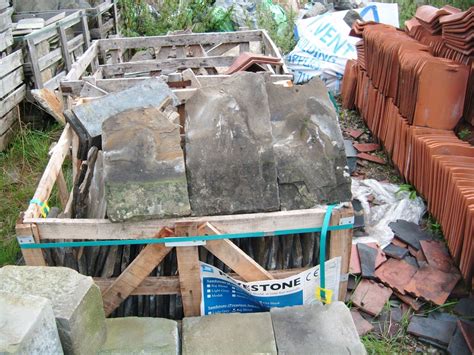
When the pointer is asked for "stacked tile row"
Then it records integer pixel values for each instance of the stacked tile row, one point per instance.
(411, 101)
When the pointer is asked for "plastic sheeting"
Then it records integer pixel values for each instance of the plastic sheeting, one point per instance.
(324, 44)
(387, 206)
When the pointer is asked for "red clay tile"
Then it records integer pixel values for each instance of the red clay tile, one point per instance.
(370, 296)
(366, 147)
(437, 255)
(363, 326)
(354, 133)
(467, 330)
(372, 158)
(414, 303)
(432, 284)
(396, 274)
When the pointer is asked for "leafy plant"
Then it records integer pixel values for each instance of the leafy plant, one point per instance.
(407, 188)
(464, 134)
(434, 226)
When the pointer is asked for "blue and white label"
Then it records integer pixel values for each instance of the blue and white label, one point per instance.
(223, 294)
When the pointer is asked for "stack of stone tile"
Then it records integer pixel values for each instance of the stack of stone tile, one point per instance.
(250, 146)
(411, 101)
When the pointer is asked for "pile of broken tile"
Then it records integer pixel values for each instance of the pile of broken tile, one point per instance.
(413, 271)
(249, 146)
(411, 101)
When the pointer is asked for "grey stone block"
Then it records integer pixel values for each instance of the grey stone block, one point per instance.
(144, 168)
(229, 156)
(308, 146)
(133, 335)
(27, 325)
(316, 329)
(235, 333)
(76, 300)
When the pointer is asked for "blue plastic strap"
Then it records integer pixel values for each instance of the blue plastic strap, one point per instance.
(322, 250)
(97, 243)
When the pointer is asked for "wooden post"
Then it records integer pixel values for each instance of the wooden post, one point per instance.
(189, 270)
(340, 243)
(29, 233)
(33, 57)
(64, 48)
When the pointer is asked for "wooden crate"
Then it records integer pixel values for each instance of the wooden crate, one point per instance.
(6, 38)
(202, 52)
(51, 51)
(12, 92)
(103, 19)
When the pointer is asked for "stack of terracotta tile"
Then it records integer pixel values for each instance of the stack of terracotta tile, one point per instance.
(411, 101)
(458, 31)
(429, 16)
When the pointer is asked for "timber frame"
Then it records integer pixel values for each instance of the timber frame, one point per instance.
(135, 279)
(104, 65)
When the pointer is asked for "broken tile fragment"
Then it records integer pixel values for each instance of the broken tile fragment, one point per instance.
(432, 284)
(366, 147)
(354, 133)
(458, 345)
(465, 307)
(399, 243)
(371, 296)
(354, 265)
(411, 260)
(372, 158)
(395, 251)
(410, 301)
(418, 254)
(231, 120)
(362, 325)
(437, 330)
(367, 257)
(396, 274)
(409, 232)
(437, 255)
(467, 329)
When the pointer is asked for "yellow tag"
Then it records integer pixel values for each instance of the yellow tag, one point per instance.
(327, 298)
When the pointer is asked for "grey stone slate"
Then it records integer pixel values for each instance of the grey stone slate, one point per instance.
(27, 325)
(367, 256)
(409, 233)
(440, 331)
(134, 335)
(233, 333)
(308, 146)
(229, 157)
(395, 251)
(144, 169)
(87, 118)
(316, 329)
(458, 345)
(76, 300)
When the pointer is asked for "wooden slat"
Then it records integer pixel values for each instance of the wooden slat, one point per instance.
(62, 189)
(231, 255)
(169, 285)
(51, 30)
(82, 63)
(6, 39)
(102, 229)
(51, 172)
(189, 270)
(8, 126)
(180, 40)
(64, 47)
(168, 65)
(13, 99)
(10, 82)
(340, 245)
(34, 62)
(49, 59)
(6, 19)
(53, 83)
(221, 48)
(32, 257)
(149, 258)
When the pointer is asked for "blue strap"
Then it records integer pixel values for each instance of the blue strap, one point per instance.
(97, 243)
(322, 250)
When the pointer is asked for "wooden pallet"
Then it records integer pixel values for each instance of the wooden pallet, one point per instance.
(105, 64)
(51, 51)
(12, 92)
(6, 38)
(136, 279)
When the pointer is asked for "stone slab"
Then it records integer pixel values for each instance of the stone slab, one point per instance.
(308, 145)
(371, 297)
(27, 325)
(409, 233)
(438, 330)
(76, 301)
(465, 307)
(395, 251)
(134, 335)
(458, 344)
(311, 329)
(230, 163)
(234, 333)
(354, 265)
(367, 256)
(144, 169)
(467, 330)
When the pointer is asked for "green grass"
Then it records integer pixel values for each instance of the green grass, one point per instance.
(21, 168)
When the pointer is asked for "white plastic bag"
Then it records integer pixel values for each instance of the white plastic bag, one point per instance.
(387, 206)
(324, 44)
